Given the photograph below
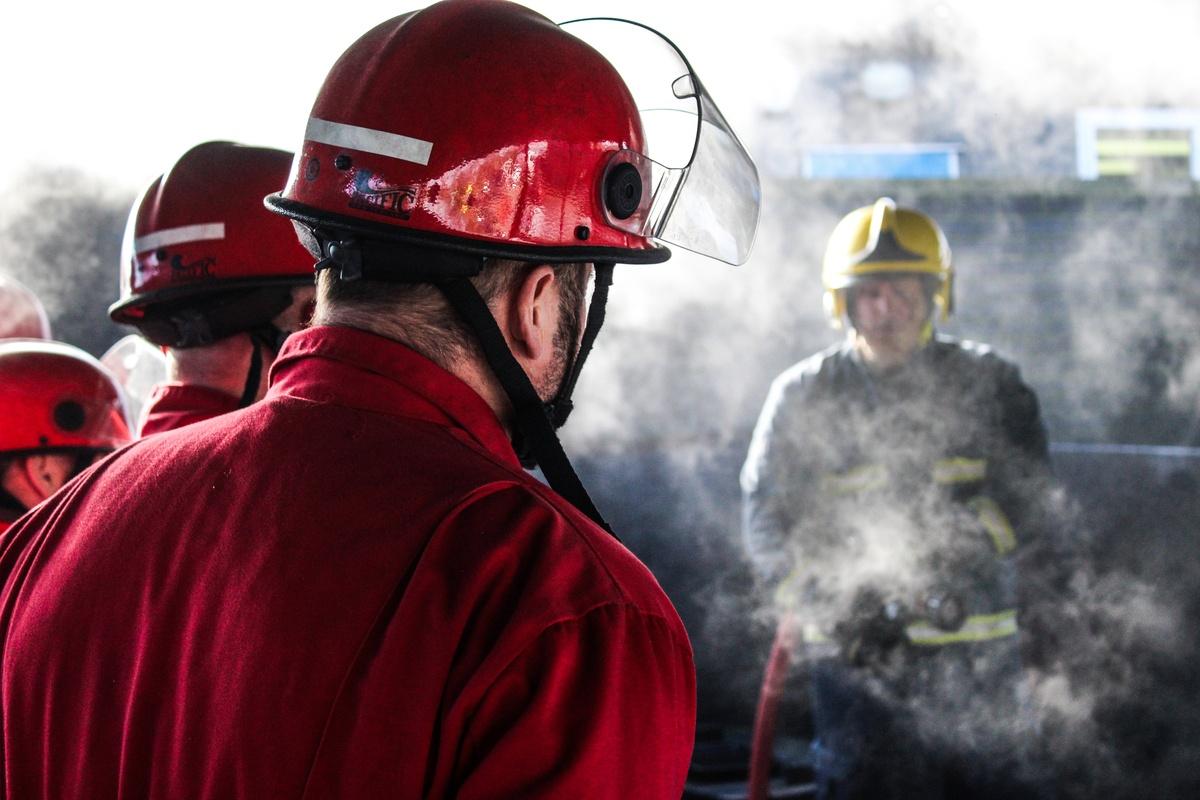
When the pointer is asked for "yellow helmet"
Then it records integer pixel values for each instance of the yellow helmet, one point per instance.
(885, 239)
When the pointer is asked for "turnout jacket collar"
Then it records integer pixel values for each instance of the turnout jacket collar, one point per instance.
(173, 405)
(357, 369)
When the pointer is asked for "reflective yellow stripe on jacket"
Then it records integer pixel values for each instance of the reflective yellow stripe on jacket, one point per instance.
(995, 522)
(859, 479)
(875, 476)
(959, 470)
(817, 644)
(977, 628)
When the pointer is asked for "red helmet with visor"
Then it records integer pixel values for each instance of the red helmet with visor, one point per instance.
(55, 397)
(483, 127)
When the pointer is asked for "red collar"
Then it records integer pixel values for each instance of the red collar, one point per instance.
(357, 369)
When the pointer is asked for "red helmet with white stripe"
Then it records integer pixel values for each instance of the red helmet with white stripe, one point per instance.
(202, 259)
(22, 315)
(55, 397)
(483, 127)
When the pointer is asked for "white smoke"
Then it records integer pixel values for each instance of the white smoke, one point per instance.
(667, 402)
(1102, 323)
(60, 234)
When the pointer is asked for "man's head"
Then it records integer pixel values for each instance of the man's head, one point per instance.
(473, 153)
(61, 411)
(890, 317)
(208, 272)
(887, 269)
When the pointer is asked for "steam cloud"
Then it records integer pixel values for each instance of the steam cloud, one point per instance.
(1090, 288)
(60, 235)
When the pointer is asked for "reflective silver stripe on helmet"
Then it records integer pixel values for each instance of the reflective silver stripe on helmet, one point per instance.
(369, 140)
(172, 236)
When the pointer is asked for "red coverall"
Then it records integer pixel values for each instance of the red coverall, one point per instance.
(348, 590)
(173, 405)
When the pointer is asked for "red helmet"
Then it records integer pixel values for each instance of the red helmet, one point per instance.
(56, 397)
(202, 259)
(480, 127)
(22, 315)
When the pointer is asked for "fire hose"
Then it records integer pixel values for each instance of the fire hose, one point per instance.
(763, 742)
(944, 609)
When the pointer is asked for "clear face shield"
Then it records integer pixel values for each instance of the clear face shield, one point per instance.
(704, 191)
(138, 367)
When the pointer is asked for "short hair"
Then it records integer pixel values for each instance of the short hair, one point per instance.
(418, 314)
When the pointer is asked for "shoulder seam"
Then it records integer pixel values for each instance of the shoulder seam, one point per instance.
(578, 617)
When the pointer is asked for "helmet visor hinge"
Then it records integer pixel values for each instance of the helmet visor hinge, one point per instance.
(343, 254)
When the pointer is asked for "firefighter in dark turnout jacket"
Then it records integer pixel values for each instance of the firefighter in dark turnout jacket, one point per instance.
(886, 492)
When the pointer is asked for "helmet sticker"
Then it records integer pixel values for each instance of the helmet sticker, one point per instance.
(369, 140)
(198, 270)
(370, 193)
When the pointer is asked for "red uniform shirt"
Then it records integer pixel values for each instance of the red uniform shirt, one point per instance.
(349, 590)
(173, 405)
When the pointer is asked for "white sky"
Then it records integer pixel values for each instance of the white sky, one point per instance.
(120, 88)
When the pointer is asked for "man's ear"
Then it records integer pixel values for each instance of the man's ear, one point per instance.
(532, 314)
(43, 474)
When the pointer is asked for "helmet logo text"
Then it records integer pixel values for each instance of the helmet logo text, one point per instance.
(200, 269)
(371, 194)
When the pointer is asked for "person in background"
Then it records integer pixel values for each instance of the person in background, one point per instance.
(215, 279)
(62, 411)
(890, 483)
(22, 315)
(352, 588)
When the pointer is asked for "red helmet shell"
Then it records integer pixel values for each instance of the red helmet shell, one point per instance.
(201, 228)
(470, 120)
(22, 315)
(55, 396)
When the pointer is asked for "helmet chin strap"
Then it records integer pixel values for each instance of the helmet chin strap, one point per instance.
(269, 337)
(536, 420)
(561, 406)
(534, 437)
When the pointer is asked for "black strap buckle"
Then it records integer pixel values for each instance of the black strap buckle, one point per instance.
(343, 254)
